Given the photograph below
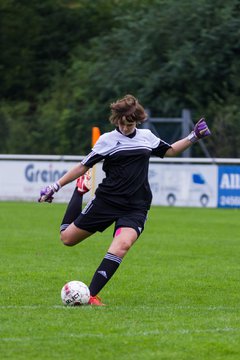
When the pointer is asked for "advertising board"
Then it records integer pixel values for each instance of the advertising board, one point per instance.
(172, 184)
(184, 185)
(228, 186)
(22, 180)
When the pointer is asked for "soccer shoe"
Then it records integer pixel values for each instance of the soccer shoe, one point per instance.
(96, 301)
(84, 182)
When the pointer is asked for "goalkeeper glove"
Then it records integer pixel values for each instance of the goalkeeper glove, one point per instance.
(46, 194)
(200, 131)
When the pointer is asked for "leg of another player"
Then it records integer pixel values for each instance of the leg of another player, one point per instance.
(123, 240)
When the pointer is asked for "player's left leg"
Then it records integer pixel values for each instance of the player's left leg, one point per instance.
(123, 240)
(127, 229)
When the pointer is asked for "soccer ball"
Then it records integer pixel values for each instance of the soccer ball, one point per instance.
(75, 293)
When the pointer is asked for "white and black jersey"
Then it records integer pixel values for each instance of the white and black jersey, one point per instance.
(126, 162)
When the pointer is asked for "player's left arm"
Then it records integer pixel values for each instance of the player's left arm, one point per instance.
(178, 147)
(200, 131)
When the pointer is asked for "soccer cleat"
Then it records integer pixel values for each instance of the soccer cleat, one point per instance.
(84, 182)
(96, 301)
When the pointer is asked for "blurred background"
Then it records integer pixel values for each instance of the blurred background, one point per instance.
(63, 62)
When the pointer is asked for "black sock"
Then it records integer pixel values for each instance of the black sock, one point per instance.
(104, 273)
(73, 210)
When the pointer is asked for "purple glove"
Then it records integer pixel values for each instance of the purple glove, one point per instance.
(200, 131)
(46, 194)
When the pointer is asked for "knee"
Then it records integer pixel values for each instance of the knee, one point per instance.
(65, 239)
(124, 246)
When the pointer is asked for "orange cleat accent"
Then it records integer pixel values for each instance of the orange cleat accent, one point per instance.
(84, 182)
(96, 301)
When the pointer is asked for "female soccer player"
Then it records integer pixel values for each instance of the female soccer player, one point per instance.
(124, 196)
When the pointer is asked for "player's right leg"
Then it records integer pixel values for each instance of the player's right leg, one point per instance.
(74, 207)
(73, 235)
(84, 182)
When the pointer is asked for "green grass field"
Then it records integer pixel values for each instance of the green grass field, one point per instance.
(175, 296)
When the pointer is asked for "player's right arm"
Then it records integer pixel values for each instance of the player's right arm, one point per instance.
(74, 173)
(96, 155)
(46, 194)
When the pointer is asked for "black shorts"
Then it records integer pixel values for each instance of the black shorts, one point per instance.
(99, 215)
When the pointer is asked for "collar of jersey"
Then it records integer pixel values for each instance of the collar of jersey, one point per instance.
(130, 135)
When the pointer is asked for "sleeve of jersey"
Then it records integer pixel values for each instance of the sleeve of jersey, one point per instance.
(98, 153)
(91, 159)
(161, 149)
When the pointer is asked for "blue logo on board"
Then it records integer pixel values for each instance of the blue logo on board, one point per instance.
(229, 186)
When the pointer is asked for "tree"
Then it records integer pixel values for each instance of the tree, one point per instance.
(80, 56)
(172, 55)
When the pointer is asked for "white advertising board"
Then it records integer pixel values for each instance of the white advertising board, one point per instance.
(184, 185)
(171, 184)
(23, 180)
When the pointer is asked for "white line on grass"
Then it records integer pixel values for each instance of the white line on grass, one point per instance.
(177, 307)
(128, 334)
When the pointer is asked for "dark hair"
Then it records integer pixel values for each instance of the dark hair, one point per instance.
(127, 109)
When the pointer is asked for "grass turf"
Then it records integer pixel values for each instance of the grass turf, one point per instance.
(175, 295)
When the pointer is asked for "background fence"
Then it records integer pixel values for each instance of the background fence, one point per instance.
(174, 181)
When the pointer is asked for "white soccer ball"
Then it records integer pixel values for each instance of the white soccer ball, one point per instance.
(75, 293)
